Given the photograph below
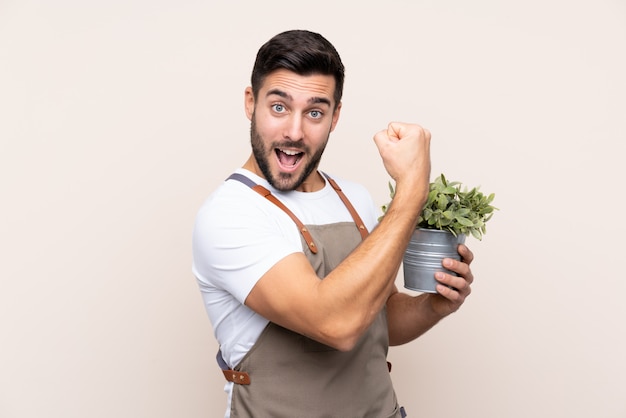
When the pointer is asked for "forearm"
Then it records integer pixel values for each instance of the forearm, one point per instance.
(360, 286)
(409, 317)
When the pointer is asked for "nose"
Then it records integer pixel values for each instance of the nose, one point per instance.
(293, 128)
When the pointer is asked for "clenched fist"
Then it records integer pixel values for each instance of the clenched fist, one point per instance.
(405, 150)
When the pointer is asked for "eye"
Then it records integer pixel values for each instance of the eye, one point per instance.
(316, 114)
(278, 108)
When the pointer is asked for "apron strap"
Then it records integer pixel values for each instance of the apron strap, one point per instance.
(357, 219)
(301, 227)
(269, 196)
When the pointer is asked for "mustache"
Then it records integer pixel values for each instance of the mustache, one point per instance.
(291, 144)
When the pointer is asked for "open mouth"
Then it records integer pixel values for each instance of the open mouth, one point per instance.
(288, 158)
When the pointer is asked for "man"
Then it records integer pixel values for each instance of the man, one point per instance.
(292, 344)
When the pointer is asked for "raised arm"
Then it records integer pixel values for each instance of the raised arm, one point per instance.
(337, 310)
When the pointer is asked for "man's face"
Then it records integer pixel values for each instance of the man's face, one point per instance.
(290, 125)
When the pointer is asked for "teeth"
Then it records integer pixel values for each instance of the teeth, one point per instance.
(289, 152)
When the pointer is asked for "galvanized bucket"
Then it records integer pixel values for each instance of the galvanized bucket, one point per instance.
(423, 257)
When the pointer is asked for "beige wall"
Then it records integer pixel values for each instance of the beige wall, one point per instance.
(117, 118)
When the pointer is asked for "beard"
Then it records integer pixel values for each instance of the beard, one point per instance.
(282, 181)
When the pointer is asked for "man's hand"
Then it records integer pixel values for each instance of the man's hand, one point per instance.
(452, 290)
(405, 150)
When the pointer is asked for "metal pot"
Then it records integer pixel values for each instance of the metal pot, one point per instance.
(423, 257)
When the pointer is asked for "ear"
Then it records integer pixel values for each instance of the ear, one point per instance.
(335, 117)
(249, 102)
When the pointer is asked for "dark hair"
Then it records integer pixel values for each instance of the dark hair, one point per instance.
(302, 52)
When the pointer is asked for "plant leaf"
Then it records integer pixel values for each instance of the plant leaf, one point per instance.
(464, 221)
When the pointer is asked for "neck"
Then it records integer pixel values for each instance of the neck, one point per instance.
(313, 183)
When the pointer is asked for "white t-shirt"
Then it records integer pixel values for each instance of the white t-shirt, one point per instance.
(239, 235)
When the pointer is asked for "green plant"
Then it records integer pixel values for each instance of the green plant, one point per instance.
(450, 208)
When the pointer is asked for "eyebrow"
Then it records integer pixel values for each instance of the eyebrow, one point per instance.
(284, 95)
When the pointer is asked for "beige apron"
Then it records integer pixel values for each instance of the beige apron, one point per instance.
(289, 375)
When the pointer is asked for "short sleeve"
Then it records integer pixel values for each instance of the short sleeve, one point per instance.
(238, 236)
